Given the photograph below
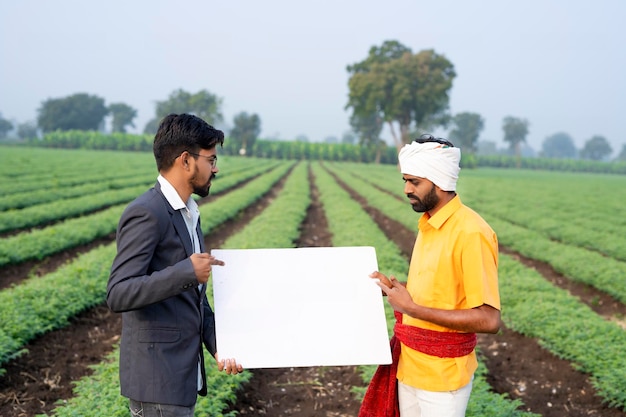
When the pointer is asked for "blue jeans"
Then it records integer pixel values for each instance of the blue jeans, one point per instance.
(141, 409)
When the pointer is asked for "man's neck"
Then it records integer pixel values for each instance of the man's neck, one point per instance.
(443, 200)
(179, 185)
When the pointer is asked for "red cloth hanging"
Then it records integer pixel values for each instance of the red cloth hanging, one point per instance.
(381, 397)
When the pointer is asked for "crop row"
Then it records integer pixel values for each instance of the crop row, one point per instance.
(45, 213)
(579, 263)
(24, 170)
(96, 195)
(48, 194)
(552, 164)
(39, 243)
(558, 206)
(571, 244)
(581, 199)
(42, 304)
(566, 327)
(29, 173)
(536, 308)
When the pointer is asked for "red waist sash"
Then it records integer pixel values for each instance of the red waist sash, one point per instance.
(432, 342)
(381, 397)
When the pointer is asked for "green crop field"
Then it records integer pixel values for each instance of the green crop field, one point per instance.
(54, 201)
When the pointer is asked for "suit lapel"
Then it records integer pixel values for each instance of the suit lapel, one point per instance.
(201, 242)
(200, 236)
(181, 229)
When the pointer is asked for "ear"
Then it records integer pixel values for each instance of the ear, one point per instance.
(441, 193)
(184, 160)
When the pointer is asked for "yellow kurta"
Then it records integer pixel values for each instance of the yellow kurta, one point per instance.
(454, 266)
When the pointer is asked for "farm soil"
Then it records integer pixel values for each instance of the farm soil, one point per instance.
(517, 365)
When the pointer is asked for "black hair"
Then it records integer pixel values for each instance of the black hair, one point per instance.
(426, 138)
(183, 132)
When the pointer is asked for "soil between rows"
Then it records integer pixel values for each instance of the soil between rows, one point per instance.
(517, 365)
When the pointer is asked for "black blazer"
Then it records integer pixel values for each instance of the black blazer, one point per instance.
(165, 318)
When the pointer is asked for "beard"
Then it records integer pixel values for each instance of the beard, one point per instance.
(202, 189)
(429, 201)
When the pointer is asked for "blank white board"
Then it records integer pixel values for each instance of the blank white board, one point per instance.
(296, 307)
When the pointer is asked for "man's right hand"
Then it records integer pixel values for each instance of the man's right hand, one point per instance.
(202, 263)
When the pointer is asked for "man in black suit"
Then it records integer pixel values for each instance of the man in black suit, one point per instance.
(159, 276)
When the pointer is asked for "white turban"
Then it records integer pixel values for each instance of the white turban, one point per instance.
(436, 162)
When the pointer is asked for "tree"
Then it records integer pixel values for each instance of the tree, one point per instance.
(348, 137)
(467, 128)
(486, 148)
(5, 127)
(79, 111)
(331, 139)
(401, 88)
(27, 130)
(203, 104)
(246, 130)
(597, 148)
(559, 145)
(515, 132)
(123, 116)
(622, 154)
(151, 127)
(368, 128)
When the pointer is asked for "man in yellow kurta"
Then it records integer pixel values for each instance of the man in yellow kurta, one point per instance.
(452, 288)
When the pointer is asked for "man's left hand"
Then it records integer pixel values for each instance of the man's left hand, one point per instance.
(230, 366)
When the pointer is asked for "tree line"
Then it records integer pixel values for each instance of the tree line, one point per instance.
(391, 87)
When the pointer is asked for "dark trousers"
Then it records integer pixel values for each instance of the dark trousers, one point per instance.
(141, 409)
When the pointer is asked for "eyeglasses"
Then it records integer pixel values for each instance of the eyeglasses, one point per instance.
(430, 138)
(212, 159)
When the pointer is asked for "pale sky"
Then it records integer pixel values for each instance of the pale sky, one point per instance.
(559, 64)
